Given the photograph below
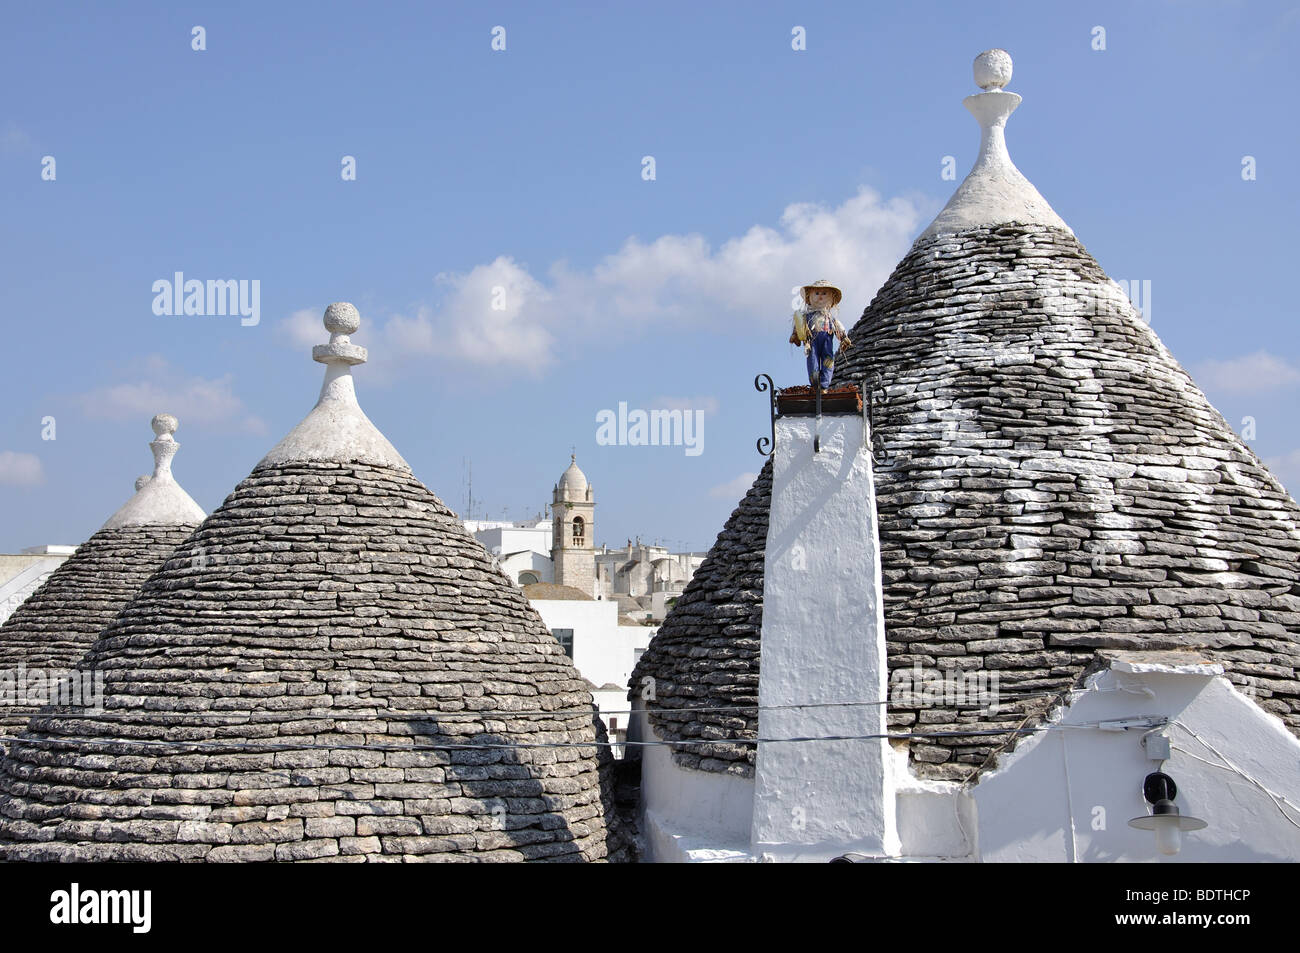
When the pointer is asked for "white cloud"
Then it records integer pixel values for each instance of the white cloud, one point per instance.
(411, 335)
(1256, 373)
(304, 328)
(20, 469)
(487, 315)
(1287, 470)
(163, 388)
(734, 489)
(501, 313)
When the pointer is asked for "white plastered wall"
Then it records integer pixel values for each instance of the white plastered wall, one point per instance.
(689, 816)
(1067, 794)
(823, 660)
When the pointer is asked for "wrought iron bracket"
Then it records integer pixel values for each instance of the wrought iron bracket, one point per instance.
(879, 455)
(763, 382)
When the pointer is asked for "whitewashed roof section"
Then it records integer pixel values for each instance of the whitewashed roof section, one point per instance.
(159, 500)
(995, 192)
(337, 430)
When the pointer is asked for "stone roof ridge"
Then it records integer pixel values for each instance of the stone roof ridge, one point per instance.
(159, 500)
(337, 429)
(995, 192)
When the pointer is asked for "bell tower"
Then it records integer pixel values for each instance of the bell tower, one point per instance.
(573, 541)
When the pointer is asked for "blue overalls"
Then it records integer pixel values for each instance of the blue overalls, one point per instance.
(821, 348)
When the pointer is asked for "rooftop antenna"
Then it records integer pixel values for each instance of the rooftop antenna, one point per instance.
(469, 487)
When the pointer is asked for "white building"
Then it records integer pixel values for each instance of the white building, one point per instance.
(597, 602)
(522, 549)
(21, 574)
(648, 578)
(643, 579)
(602, 647)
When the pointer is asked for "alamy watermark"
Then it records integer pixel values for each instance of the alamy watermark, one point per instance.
(1099, 300)
(923, 687)
(24, 687)
(75, 906)
(214, 297)
(10, 603)
(1088, 299)
(659, 427)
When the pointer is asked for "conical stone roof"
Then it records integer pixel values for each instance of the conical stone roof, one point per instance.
(701, 668)
(330, 667)
(52, 629)
(1056, 484)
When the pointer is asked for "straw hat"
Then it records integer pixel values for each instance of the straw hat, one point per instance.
(823, 283)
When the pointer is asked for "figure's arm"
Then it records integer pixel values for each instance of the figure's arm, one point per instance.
(845, 341)
(794, 333)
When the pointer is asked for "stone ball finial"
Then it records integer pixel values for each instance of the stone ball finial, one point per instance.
(164, 425)
(342, 318)
(992, 69)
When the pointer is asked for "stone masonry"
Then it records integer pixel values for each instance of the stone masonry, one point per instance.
(328, 668)
(1056, 484)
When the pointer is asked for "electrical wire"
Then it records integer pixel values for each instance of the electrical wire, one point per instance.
(561, 712)
(1069, 803)
(73, 741)
(1227, 765)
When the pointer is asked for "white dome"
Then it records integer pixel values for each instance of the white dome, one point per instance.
(573, 478)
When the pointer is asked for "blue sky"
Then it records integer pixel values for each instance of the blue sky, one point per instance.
(522, 170)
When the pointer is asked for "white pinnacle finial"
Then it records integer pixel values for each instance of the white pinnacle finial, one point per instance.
(337, 430)
(995, 192)
(164, 445)
(341, 319)
(992, 69)
(340, 355)
(159, 499)
(163, 426)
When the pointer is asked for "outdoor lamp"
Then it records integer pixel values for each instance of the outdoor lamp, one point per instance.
(1165, 819)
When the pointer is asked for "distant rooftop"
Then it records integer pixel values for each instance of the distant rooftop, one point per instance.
(50, 549)
(550, 590)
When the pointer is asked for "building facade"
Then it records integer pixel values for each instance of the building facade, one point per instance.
(21, 574)
(573, 515)
(645, 580)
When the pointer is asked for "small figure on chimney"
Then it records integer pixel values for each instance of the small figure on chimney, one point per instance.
(816, 327)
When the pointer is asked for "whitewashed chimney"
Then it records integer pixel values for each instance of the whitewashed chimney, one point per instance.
(823, 644)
